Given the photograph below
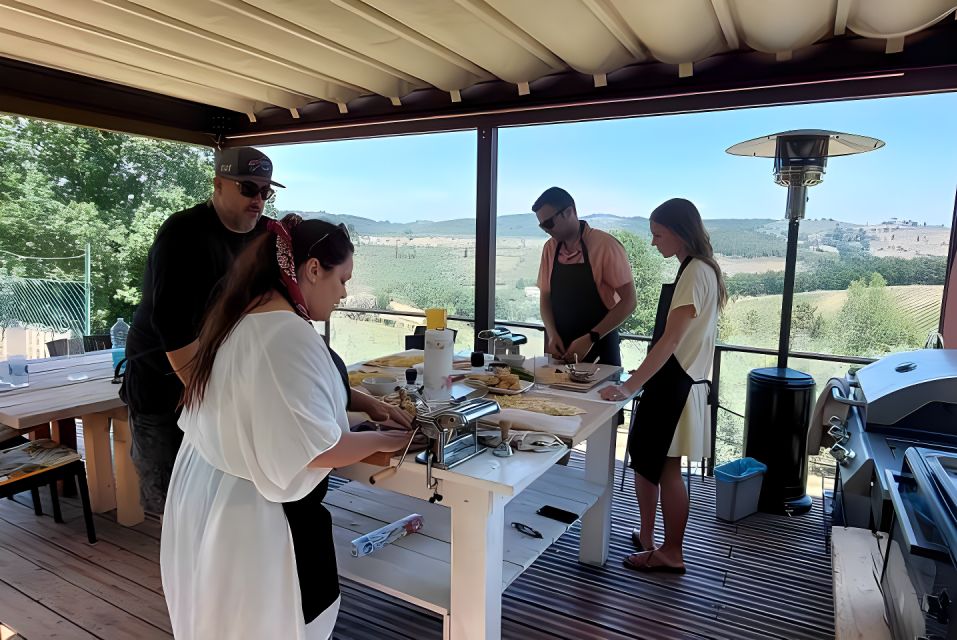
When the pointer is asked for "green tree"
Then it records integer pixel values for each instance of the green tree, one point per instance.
(870, 323)
(646, 265)
(806, 320)
(62, 187)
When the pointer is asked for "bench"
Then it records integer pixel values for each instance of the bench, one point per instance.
(417, 568)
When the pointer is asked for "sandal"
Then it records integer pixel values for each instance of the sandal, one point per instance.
(636, 540)
(647, 567)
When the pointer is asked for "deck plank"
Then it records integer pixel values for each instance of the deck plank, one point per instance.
(763, 577)
(100, 617)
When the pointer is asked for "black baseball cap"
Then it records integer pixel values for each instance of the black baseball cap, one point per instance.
(245, 163)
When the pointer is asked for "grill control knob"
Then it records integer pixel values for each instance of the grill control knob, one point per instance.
(938, 606)
(838, 430)
(842, 454)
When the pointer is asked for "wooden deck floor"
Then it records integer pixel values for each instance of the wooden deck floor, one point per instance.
(765, 577)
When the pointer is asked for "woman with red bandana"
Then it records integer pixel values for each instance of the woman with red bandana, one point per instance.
(247, 548)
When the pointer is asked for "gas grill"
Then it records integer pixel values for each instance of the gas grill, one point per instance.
(904, 400)
(919, 576)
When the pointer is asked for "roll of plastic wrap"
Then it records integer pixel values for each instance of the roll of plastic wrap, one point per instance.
(439, 346)
(375, 540)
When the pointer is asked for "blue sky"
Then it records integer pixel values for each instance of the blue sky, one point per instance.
(627, 167)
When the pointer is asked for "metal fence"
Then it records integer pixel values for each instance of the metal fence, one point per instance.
(719, 351)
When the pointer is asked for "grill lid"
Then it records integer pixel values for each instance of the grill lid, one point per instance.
(902, 383)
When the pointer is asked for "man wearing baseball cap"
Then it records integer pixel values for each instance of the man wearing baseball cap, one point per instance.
(192, 252)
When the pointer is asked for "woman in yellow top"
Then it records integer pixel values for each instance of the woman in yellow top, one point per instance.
(672, 419)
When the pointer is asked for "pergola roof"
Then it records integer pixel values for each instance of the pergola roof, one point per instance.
(284, 70)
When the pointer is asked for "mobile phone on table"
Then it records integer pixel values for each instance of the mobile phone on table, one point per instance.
(562, 515)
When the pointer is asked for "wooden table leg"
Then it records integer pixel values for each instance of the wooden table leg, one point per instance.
(478, 524)
(64, 432)
(600, 469)
(40, 433)
(129, 511)
(99, 462)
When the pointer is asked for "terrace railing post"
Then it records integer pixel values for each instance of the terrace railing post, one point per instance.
(486, 196)
(715, 397)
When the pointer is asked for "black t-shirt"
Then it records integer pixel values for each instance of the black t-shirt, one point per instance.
(191, 254)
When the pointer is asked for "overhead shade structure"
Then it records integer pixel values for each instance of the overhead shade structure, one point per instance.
(239, 72)
(778, 399)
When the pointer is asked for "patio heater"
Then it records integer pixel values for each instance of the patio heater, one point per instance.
(778, 402)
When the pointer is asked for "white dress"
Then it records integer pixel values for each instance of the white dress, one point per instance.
(698, 286)
(274, 402)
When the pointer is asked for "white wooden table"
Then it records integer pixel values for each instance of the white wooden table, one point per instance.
(468, 552)
(52, 396)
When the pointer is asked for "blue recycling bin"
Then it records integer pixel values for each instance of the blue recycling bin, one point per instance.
(738, 488)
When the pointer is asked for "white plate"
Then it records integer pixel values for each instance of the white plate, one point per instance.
(525, 386)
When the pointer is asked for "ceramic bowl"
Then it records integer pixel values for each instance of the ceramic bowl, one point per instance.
(380, 385)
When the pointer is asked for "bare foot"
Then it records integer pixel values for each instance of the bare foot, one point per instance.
(654, 561)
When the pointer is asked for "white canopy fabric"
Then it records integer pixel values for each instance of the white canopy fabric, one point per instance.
(250, 56)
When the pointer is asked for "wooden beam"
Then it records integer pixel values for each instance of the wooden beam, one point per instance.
(192, 31)
(608, 15)
(841, 13)
(393, 26)
(726, 20)
(259, 89)
(312, 37)
(835, 69)
(505, 27)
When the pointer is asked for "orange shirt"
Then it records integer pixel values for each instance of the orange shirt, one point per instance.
(608, 260)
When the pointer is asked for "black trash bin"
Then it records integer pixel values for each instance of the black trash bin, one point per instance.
(776, 417)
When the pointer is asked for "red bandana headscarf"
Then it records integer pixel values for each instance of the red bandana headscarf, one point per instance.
(287, 263)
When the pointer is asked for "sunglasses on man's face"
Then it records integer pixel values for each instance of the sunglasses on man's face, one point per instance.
(549, 224)
(249, 189)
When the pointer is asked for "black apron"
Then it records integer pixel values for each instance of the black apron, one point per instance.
(662, 400)
(577, 306)
(311, 527)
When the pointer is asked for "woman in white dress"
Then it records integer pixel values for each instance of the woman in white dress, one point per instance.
(247, 546)
(672, 419)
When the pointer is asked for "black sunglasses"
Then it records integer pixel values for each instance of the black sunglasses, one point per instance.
(339, 227)
(249, 189)
(549, 224)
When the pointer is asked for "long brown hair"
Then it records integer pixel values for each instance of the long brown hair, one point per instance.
(681, 217)
(250, 281)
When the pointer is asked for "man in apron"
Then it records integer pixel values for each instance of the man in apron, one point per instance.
(586, 283)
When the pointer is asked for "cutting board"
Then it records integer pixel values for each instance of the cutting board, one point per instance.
(604, 372)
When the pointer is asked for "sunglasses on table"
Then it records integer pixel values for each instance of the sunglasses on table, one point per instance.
(548, 225)
(339, 227)
(249, 189)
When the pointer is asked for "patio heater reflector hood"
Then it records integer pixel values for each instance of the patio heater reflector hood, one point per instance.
(800, 158)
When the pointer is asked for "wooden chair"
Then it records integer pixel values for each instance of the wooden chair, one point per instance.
(29, 466)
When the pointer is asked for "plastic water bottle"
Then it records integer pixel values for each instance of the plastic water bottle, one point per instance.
(118, 333)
